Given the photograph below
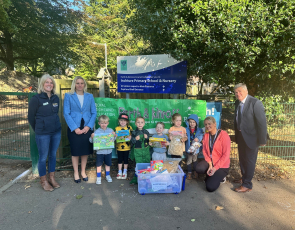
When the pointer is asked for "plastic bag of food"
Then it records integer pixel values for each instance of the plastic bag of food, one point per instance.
(176, 146)
(171, 165)
(194, 147)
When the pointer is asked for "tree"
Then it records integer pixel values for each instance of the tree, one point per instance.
(104, 22)
(225, 41)
(37, 31)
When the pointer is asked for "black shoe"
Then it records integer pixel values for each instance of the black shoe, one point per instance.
(78, 181)
(85, 179)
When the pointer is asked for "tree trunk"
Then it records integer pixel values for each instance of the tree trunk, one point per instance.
(8, 60)
(201, 88)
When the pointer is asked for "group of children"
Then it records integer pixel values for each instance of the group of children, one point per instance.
(138, 148)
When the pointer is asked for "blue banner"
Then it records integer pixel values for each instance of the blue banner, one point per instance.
(214, 109)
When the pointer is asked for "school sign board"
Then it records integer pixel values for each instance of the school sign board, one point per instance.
(151, 74)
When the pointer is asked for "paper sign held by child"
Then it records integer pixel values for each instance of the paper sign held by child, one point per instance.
(158, 142)
(122, 136)
(103, 141)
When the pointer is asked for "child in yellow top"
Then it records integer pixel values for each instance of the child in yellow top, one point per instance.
(123, 148)
(177, 120)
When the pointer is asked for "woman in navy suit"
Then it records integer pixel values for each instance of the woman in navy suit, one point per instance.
(80, 115)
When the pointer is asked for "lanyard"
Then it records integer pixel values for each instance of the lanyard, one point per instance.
(211, 144)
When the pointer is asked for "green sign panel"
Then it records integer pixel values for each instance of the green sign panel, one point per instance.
(153, 110)
(123, 64)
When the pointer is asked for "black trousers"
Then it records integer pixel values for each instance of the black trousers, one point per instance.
(247, 158)
(212, 182)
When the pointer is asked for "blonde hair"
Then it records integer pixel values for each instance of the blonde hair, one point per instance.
(103, 118)
(175, 115)
(42, 82)
(212, 119)
(73, 86)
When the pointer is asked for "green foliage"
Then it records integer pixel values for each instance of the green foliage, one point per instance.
(104, 22)
(3, 12)
(37, 34)
(224, 41)
(277, 109)
(273, 107)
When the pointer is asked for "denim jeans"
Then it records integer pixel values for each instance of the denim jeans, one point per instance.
(47, 146)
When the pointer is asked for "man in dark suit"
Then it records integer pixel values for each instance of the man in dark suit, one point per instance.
(250, 133)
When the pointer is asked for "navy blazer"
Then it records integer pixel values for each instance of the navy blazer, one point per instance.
(73, 113)
(253, 124)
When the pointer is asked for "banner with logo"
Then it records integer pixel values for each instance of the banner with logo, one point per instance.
(153, 110)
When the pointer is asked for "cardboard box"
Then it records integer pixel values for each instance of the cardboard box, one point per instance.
(158, 142)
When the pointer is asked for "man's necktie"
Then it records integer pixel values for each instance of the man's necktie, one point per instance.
(240, 115)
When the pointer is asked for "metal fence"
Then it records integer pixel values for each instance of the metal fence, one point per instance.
(17, 142)
(281, 129)
(14, 126)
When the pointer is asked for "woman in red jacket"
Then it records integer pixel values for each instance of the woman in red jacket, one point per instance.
(216, 150)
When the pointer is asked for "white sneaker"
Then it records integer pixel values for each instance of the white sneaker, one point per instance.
(119, 176)
(124, 177)
(109, 179)
(224, 180)
(98, 180)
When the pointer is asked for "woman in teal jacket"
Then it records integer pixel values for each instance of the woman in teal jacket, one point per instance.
(80, 115)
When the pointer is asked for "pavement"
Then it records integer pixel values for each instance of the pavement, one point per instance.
(117, 205)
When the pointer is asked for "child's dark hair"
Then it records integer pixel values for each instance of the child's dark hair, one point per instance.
(139, 117)
(174, 116)
(161, 123)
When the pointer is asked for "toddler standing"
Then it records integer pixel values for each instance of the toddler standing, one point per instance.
(140, 145)
(177, 120)
(123, 148)
(160, 153)
(103, 155)
(194, 134)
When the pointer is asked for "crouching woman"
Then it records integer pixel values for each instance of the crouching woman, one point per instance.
(44, 119)
(216, 150)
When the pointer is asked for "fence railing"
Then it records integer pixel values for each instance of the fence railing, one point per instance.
(15, 136)
(17, 142)
(281, 129)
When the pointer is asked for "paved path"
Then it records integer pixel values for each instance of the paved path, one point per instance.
(116, 206)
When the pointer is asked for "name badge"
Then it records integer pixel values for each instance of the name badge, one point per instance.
(46, 103)
(55, 104)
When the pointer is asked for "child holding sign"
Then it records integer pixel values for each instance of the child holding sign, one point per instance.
(159, 152)
(103, 155)
(123, 144)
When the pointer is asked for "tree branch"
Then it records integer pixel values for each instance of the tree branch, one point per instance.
(25, 58)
